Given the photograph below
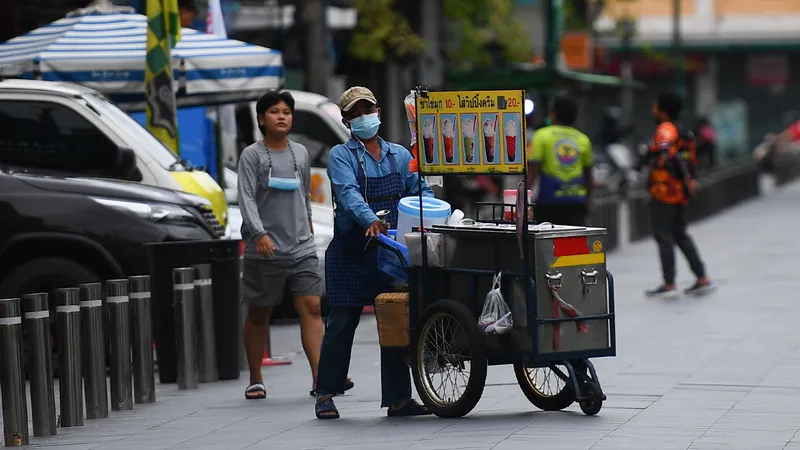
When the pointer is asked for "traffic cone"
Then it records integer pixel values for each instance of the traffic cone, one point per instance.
(269, 361)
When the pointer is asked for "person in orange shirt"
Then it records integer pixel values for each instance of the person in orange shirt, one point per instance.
(672, 182)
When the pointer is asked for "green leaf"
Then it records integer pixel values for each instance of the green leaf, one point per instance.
(382, 31)
(480, 21)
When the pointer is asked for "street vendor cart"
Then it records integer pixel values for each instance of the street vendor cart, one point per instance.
(553, 278)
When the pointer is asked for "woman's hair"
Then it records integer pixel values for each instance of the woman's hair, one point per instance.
(271, 99)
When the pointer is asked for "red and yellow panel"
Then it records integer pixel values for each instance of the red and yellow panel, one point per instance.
(576, 251)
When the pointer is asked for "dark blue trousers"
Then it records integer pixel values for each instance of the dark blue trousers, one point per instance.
(334, 361)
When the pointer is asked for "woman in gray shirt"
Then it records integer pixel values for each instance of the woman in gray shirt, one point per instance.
(279, 252)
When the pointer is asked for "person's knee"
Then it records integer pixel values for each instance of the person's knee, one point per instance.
(258, 315)
(309, 306)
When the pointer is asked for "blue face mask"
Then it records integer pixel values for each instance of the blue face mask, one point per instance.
(366, 126)
(283, 184)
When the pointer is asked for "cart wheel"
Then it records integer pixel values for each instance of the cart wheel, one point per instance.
(594, 399)
(546, 390)
(449, 360)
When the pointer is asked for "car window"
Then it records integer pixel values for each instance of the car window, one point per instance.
(332, 109)
(51, 136)
(312, 127)
(131, 131)
(317, 152)
(244, 127)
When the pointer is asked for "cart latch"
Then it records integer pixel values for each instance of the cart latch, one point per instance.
(554, 279)
(589, 278)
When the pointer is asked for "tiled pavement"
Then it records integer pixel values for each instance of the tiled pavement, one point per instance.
(720, 372)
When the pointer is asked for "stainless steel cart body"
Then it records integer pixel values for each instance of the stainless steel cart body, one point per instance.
(568, 259)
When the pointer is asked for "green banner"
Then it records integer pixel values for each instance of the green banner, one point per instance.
(163, 32)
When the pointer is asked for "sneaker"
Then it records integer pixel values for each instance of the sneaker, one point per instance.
(663, 291)
(701, 289)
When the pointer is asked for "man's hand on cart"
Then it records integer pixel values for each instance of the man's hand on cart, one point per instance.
(377, 228)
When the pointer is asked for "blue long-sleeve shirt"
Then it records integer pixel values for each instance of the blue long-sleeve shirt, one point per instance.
(343, 168)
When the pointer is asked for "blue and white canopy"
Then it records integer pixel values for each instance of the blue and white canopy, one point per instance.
(106, 52)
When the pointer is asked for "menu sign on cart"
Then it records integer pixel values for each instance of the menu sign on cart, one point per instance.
(467, 132)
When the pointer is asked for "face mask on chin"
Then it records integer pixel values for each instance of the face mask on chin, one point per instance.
(283, 184)
(365, 126)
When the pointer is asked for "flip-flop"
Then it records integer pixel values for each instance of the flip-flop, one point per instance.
(255, 391)
(325, 408)
(411, 408)
(347, 386)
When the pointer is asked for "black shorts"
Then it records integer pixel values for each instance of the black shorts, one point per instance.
(560, 213)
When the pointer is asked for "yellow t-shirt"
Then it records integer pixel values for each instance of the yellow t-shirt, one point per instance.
(563, 153)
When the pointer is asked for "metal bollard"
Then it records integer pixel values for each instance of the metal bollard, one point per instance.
(40, 364)
(120, 330)
(185, 322)
(144, 381)
(94, 351)
(206, 342)
(70, 382)
(12, 374)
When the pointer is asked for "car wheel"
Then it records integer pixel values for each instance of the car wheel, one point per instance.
(45, 275)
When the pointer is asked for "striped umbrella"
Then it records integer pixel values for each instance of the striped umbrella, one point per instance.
(106, 52)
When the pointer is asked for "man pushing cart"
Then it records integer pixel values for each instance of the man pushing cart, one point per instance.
(550, 303)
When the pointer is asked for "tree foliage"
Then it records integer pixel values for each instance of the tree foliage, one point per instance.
(474, 24)
(471, 26)
(383, 32)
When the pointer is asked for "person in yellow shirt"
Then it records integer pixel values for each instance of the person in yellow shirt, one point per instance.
(561, 163)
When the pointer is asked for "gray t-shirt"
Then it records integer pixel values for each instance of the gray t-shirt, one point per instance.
(283, 215)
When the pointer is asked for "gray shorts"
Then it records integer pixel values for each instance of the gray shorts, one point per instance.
(265, 282)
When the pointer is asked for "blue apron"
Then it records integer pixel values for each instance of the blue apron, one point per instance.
(352, 277)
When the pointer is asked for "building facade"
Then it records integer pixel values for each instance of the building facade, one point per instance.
(739, 58)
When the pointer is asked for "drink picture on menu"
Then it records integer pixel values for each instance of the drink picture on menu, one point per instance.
(449, 141)
(468, 137)
(511, 128)
(429, 138)
(489, 126)
(469, 132)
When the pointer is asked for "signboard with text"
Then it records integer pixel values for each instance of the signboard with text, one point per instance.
(471, 132)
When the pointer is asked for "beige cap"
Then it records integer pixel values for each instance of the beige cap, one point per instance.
(353, 95)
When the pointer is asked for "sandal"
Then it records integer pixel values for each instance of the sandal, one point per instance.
(255, 391)
(347, 386)
(409, 408)
(325, 408)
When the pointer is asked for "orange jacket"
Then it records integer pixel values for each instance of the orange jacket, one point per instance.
(671, 163)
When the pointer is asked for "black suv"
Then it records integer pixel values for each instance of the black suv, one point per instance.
(59, 231)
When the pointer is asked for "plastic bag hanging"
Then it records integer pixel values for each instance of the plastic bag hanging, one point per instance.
(496, 315)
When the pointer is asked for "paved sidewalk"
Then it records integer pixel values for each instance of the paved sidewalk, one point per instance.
(719, 372)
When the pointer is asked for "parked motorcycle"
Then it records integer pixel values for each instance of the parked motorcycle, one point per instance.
(616, 168)
(765, 152)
